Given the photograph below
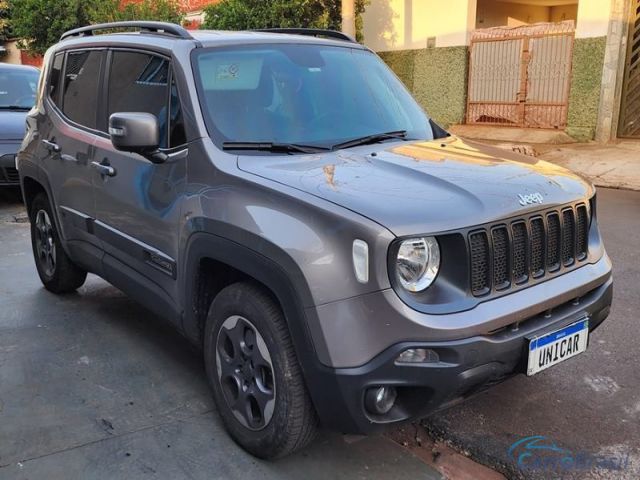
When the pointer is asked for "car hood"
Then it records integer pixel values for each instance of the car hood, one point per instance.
(424, 187)
(12, 125)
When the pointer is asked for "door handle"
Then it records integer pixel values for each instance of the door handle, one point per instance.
(51, 146)
(68, 158)
(103, 169)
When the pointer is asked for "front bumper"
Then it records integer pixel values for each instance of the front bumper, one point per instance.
(8, 172)
(466, 367)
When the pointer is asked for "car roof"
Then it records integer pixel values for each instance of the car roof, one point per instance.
(17, 67)
(199, 38)
(218, 37)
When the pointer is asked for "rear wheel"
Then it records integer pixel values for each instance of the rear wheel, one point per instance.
(252, 367)
(56, 270)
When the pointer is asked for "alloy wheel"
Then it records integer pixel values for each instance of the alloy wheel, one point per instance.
(45, 245)
(245, 372)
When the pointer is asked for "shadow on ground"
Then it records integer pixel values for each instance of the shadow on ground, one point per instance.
(93, 386)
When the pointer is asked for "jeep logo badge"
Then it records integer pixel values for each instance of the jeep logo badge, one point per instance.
(530, 199)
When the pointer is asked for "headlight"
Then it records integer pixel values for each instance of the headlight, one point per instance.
(417, 263)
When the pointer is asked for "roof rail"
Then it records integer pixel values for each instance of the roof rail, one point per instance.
(311, 32)
(156, 27)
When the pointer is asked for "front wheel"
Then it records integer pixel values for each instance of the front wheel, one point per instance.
(257, 381)
(56, 270)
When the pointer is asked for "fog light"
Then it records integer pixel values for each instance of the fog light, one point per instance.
(379, 400)
(418, 355)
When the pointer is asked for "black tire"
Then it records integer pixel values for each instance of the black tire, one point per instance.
(61, 275)
(293, 422)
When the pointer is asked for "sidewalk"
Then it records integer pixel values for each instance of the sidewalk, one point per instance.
(615, 165)
(611, 165)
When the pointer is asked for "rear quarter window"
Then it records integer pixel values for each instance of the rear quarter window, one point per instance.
(55, 78)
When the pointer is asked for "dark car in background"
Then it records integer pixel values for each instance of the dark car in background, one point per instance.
(18, 84)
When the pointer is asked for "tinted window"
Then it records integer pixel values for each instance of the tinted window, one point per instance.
(18, 88)
(55, 78)
(138, 82)
(307, 94)
(80, 96)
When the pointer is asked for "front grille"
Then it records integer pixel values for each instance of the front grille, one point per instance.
(501, 276)
(520, 254)
(537, 247)
(568, 237)
(9, 174)
(12, 174)
(515, 252)
(553, 242)
(582, 224)
(480, 274)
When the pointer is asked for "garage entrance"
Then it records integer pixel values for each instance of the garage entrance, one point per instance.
(520, 76)
(630, 106)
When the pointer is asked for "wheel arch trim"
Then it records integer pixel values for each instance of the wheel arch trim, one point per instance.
(277, 272)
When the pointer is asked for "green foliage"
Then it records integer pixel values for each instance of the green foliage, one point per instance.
(5, 31)
(437, 78)
(159, 10)
(39, 23)
(252, 14)
(360, 7)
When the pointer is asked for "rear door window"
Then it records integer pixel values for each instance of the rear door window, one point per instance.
(81, 86)
(139, 82)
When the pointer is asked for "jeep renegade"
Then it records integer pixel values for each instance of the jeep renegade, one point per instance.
(283, 201)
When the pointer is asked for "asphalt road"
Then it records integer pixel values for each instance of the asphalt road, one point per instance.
(591, 404)
(92, 386)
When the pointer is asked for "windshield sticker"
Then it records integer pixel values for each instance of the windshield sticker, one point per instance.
(227, 72)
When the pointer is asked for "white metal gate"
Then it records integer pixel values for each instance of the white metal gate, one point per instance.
(520, 76)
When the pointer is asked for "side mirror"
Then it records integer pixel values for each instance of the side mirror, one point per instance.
(137, 132)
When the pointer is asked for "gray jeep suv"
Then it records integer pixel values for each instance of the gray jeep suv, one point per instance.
(284, 202)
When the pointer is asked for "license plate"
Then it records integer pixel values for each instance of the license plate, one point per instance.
(555, 347)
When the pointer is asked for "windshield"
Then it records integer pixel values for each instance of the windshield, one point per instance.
(303, 94)
(18, 88)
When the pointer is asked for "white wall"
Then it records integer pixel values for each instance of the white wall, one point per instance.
(593, 18)
(13, 54)
(407, 24)
(492, 13)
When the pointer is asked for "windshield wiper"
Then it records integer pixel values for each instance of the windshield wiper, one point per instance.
(273, 147)
(375, 138)
(14, 107)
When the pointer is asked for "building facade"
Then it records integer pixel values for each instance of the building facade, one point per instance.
(563, 64)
